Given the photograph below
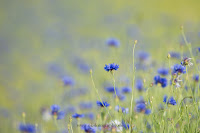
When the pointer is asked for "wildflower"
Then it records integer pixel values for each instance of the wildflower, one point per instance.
(176, 79)
(88, 129)
(186, 61)
(179, 69)
(171, 100)
(175, 55)
(120, 96)
(141, 108)
(125, 126)
(113, 42)
(159, 80)
(111, 67)
(102, 104)
(115, 125)
(111, 89)
(124, 110)
(68, 81)
(163, 71)
(126, 90)
(85, 105)
(139, 85)
(199, 49)
(55, 112)
(46, 114)
(196, 78)
(142, 55)
(27, 128)
(90, 116)
(78, 115)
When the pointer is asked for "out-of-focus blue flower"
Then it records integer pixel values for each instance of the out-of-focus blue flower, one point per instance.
(126, 90)
(199, 49)
(178, 68)
(163, 71)
(175, 55)
(102, 104)
(56, 113)
(120, 96)
(27, 128)
(141, 108)
(142, 55)
(68, 81)
(111, 67)
(78, 115)
(124, 110)
(140, 100)
(113, 42)
(88, 129)
(125, 125)
(196, 78)
(159, 80)
(85, 105)
(171, 100)
(139, 84)
(111, 89)
(91, 116)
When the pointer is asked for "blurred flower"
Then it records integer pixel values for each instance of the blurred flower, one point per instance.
(126, 89)
(27, 128)
(196, 78)
(85, 105)
(88, 129)
(179, 69)
(46, 114)
(124, 110)
(125, 126)
(68, 81)
(186, 61)
(176, 79)
(111, 89)
(140, 107)
(102, 104)
(142, 55)
(159, 80)
(120, 96)
(91, 116)
(199, 49)
(139, 85)
(78, 115)
(171, 100)
(113, 42)
(56, 113)
(175, 55)
(111, 67)
(163, 71)
(115, 125)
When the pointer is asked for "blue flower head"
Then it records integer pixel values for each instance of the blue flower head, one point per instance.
(68, 81)
(141, 108)
(113, 42)
(88, 129)
(126, 90)
(175, 55)
(163, 71)
(125, 125)
(171, 100)
(85, 105)
(27, 128)
(196, 78)
(124, 110)
(111, 89)
(102, 104)
(179, 69)
(120, 96)
(142, 55)
(139, 85)
(91, 116)
(78, 115)
(56, 113)
(199, 49)
(159, 80)
(111, 67)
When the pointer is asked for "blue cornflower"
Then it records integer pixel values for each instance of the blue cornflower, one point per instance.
(163, 71)
(139, 85)
(199, 49)
(27, 128)
(159, 80)
(175, 55)
(88, 129)
(142, 55)
(171, 100)
(111, 89)
(85, 105)
(178, 68)
(91, 116)
(78, 115)
(125, 126)
(141, 108)
(120, 96)
(56, 113)
(126, 90)
(68, 81)
(111, 67)
(124, 110)
(196, 78)
(113, 42)
(102, 104)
